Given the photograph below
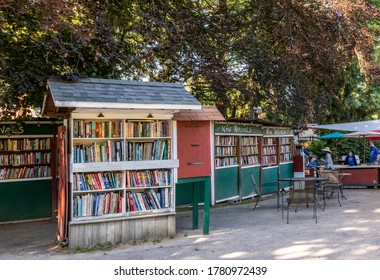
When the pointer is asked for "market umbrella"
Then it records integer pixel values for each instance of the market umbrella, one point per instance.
(333, 135)
(363, 134)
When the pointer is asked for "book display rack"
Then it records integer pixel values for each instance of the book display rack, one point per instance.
(225, 151)
(237, 153)
(249, 153)
(277, 157)
(286, 149)
(23, 158)
(27, 159)
(269, 151)
(121, 168)
(243, 149)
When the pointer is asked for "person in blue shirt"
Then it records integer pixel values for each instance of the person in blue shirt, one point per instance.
(374, 154)
(304, 152)
(312, 161)
(350, 159)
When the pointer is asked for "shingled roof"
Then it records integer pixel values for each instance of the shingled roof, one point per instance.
(207, 113)
(117, 94)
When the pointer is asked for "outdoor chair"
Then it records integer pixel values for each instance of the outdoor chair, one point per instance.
(333, 186)
(256, 191)
(258, 195)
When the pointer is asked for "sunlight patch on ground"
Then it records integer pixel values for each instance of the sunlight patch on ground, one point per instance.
(366, 221)
(309, 241)
(218, 242)
(376, 210)
(235, 255)
(302, 251)
(361, 229)
(324, 252)
(351, 211)
(192, 258)
(365, 249)
(202, 239)
(194, 236)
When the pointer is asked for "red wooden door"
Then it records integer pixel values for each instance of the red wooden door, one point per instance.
(194, 149)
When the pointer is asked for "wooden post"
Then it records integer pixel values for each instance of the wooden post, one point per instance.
(54, 166)
(62, 187)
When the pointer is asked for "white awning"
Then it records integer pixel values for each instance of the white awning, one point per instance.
(352, 126)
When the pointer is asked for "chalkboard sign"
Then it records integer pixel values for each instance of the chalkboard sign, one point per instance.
(237, 129)
(277, 131)
(35, 128)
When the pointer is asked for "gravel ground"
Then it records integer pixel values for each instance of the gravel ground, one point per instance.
(349, 232)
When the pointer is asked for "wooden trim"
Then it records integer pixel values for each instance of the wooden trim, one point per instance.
(25, 221)
(123, 165)
(120, 105)
(122, 216)
(25, 179)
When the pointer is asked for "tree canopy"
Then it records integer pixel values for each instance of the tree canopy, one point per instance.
(301, 61)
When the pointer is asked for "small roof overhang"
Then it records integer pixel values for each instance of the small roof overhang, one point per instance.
(206, 113)
(63, 97)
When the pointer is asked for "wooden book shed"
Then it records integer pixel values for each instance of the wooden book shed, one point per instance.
(121, 161)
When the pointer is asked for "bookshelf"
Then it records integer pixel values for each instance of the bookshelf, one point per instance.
(25, 158)
(225, 151)
(237, 154)
(121, 168)
(27, 191)
(269, 151)
(277, 157)
(249, 150)
(286, 149)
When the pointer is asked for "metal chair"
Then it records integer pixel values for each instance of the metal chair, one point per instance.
(257, 193)
(332, 186)
(279, 191)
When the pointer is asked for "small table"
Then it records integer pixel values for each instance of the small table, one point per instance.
(196, 183)
(303, 179)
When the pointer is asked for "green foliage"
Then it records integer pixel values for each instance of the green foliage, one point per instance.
(301, 61)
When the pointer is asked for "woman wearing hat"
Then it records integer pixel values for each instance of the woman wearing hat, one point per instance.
(328, 158)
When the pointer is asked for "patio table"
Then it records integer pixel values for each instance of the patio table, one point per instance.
(299, 180)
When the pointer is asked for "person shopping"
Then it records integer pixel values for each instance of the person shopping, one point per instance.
(312, 161)
(304, 152)
(350, 159)
(328, 161)
(374, 154)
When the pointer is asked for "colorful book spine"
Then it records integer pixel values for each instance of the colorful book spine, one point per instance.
(97, 181)
(97, 204)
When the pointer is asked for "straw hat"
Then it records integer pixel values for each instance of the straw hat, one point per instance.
(326, 149)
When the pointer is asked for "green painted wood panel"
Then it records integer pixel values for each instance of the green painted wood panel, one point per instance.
(270, 175)
(25, 200)
(184, 191)
(226, 183)
(286, 171)
(246, 182)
